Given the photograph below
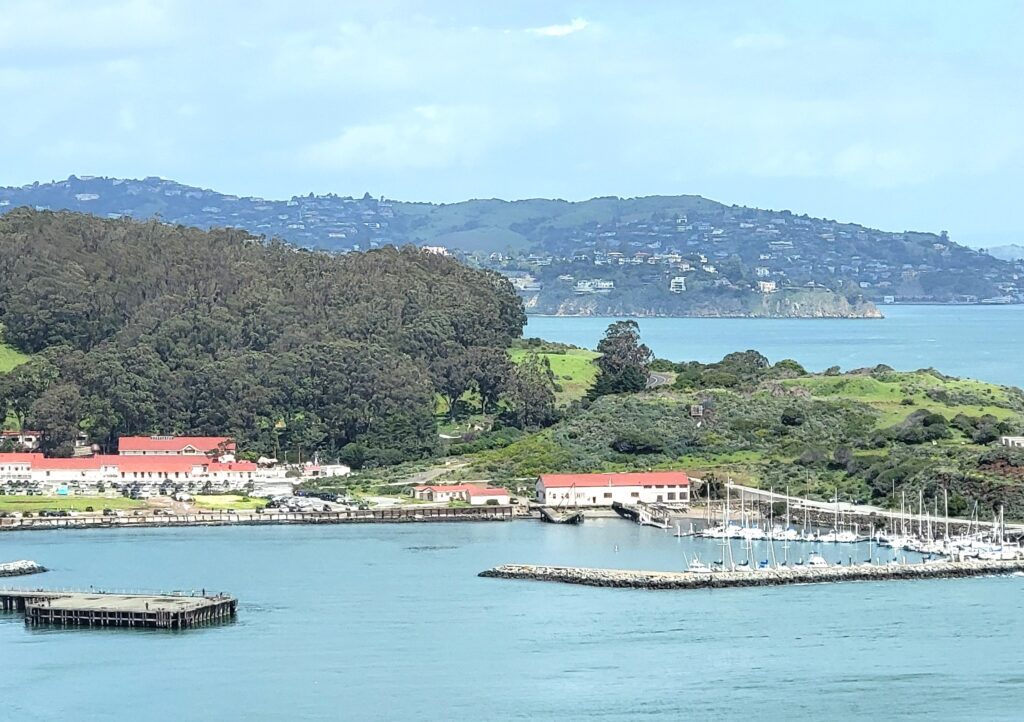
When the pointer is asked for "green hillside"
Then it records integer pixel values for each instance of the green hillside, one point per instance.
(866, 434)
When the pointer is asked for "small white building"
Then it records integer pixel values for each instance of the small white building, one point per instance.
(469, 493)
(651, 487)
(677, 284)
(27, 440)
(1015, 442)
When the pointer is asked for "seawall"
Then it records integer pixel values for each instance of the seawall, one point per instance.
(409, 514)
(631, 579)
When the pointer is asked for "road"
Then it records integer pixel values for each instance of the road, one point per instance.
(658, 378)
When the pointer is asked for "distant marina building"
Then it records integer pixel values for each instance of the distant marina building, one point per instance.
(651, 487)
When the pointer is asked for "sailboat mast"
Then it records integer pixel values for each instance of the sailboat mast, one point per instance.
(945, 502)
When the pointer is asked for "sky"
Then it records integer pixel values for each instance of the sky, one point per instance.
(898, 115)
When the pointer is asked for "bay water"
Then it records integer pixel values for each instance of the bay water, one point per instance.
(391, 622)
(982, 342)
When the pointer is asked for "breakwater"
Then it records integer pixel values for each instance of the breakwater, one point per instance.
(253, 518)
(631, 579)
(19, 568)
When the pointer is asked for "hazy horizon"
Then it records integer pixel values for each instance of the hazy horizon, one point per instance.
(895, 117)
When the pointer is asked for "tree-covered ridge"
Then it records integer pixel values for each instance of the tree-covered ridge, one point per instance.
(151, 328)
(735, 260)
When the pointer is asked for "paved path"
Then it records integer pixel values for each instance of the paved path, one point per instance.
(658, 378)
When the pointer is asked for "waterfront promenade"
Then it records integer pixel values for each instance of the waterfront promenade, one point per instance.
(254, 518)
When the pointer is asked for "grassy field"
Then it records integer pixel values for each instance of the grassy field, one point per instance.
(574, 371)
(217, 502)
(10, 357)
(902, 393)
(66, 503)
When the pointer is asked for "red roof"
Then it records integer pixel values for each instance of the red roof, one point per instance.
(201, 444)
(19, 458)
(487, 491)
(639, 478)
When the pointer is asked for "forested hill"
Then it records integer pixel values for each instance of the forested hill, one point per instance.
(150, 328)
(604, 255)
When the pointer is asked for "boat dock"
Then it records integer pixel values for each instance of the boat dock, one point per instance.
(100, 609)
(632, 579)
(553, 516)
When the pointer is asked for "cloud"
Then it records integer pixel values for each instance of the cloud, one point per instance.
(760, 41)
(560, 31)
(425, 137)
(58, 25)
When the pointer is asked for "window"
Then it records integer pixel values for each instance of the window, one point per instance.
(635, 494)
(607, 495)
(671, 496)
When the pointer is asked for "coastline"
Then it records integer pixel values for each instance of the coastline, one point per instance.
(391, 515)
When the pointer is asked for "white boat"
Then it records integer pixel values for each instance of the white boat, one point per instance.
(816, 560)
(696, 566)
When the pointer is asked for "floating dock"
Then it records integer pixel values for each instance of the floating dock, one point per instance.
(630, 579)
(100, 609)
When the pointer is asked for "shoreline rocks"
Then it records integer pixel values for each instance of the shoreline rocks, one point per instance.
(20, 568)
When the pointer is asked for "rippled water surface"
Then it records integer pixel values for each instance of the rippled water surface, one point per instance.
(391, 622)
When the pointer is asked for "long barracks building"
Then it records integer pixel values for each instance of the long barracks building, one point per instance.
(182, 463)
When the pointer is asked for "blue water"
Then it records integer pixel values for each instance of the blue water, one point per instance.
(983, 342)
(391, 622)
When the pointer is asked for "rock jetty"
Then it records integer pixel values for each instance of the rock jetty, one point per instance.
(19, 568)
(632, 579)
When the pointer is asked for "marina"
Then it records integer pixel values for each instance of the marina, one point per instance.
(102, 609)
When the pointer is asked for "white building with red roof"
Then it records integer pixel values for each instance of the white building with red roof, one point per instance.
(472, 494)
(218, 446)
(650, 487)
(150, 473)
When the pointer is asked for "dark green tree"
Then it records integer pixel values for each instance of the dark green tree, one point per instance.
(623, 361)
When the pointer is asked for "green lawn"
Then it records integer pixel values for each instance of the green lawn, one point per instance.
(574, 371)
(218, 502)
(903, 393)
(66, 503)
(10, 357)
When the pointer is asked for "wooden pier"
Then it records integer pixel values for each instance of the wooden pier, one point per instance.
(630, 579)
(100, 609)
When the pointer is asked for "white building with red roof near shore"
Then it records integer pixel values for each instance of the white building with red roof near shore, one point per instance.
(472, 494)
(650, 487)
(87, 472)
